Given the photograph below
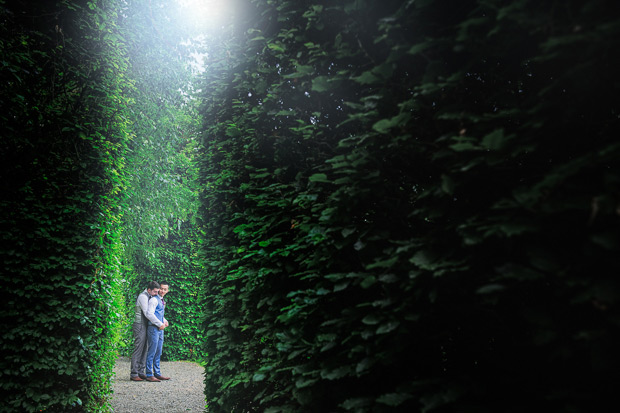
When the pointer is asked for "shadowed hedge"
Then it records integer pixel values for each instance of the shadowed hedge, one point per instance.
(61, 154)
(412, 206)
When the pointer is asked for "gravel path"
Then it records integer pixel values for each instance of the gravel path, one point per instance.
(184, 392)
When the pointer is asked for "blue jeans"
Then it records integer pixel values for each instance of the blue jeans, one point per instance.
(155, 338)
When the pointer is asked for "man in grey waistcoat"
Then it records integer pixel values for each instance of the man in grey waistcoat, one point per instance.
(140, 324)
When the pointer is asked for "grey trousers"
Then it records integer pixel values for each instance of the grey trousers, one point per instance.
(138, 357)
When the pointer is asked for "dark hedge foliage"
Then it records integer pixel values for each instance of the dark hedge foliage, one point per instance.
(413, 206)
(61, 157)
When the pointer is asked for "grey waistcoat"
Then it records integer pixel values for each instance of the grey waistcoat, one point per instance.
(140, 317)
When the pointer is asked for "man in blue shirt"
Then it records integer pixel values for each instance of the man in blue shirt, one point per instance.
(155, 334)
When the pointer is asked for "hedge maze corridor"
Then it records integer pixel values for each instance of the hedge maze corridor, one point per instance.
(360, 206)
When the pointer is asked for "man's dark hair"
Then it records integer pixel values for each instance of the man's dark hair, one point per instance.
(164, 283)
(152, 285)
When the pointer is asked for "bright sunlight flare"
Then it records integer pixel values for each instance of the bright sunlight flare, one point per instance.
(204, 13)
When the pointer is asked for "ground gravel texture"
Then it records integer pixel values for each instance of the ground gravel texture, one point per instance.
(184, 392)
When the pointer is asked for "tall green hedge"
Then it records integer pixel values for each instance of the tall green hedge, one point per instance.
(175, 260)
(412, 206)
(64, 136)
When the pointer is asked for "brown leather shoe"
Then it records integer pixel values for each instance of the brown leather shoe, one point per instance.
(162, 377)
(137, 378)
(142, 376)
(151, 378)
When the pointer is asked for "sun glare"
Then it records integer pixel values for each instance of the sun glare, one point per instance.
(204, 13)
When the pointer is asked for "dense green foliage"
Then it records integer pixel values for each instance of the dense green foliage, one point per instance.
(161, 198)
(412, 206)
(176, 257)
(64, 137)
(97, 183)
(405, 205)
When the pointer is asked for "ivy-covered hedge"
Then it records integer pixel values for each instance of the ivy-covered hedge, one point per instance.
(61, 156)
(175, 259)
(413, 206)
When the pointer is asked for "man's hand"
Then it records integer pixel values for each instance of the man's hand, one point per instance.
(161, 327)
(166, 324)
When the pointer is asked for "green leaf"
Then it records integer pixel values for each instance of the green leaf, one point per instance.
(304, 382)
(368, 281)
(447, 184)
(366, 78)
(384, 125)
(320, 84)
(418, 48)
(259, 377)
(347, 231)
(318, 178)
(495, 140)
(464, 146)
(335, 373)
(277, 47)
(394, 399)
(371, 319)
(424, 259)
(383, 263)
(490, 288)
(356, 403)
(300, 72)
(388, 327)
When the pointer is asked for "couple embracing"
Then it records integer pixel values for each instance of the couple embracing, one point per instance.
(148, 333)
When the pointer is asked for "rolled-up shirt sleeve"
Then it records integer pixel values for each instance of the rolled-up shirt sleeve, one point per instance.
(150, 312)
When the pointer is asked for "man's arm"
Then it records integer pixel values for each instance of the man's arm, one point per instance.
(143, 302)
(150, 312)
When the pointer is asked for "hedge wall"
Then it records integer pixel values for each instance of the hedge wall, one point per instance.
(61, 156)
(412, 206)
(175, 261)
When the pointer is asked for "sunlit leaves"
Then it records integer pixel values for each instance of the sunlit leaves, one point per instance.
(161, 199)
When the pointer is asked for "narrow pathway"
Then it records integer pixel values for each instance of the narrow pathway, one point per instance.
(184, 392)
